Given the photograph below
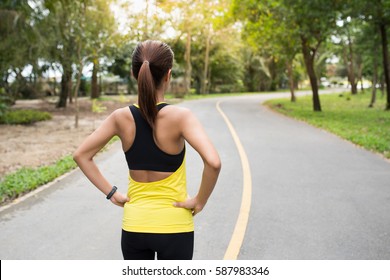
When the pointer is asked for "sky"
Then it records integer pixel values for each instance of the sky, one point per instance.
(136, 7)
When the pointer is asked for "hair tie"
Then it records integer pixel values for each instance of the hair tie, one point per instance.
(146, 62)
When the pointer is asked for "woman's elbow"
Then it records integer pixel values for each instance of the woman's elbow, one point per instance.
(215, 164)
(77, 156)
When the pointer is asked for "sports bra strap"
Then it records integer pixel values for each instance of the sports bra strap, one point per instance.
(144, 154)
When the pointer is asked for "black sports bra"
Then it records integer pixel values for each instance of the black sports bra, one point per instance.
(144, 154)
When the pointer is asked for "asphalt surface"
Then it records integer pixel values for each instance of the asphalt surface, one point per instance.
(314, 196)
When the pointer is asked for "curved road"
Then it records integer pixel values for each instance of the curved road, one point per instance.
(312, 196)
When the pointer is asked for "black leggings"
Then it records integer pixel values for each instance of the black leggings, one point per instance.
(168, 246)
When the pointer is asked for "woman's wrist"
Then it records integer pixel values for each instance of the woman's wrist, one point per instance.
(111, 193)
(200, 201)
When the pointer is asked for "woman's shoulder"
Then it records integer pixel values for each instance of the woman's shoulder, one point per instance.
(121, 111)
(176, 112)
(122, 114)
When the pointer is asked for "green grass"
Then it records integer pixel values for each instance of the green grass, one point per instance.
(24, 117)
(346, 116)
(25, 180)
(28, 179)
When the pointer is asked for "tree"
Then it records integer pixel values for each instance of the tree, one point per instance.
(314, 21)
(63, 20)
(121, 64)
(376, 12)
(95, 35)
(183, 24)
(20, 45)
(347, 31)
(383, 20)
(201, 32)
(101, 35)
(187, 23)
(87, 24)
(367, 44)
(381, 17)
(213, 26)
(270, 31)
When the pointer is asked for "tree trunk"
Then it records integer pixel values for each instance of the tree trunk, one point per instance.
(66, 87)
(351, 65)
(208, 85)
(95, 93)
(71, 94)
(353, 83)
(76, 93)
(77, 87)
(382, 85)
(308, 56)
(272, 72)
(251, 84)
(385, 62)
(291, 79)
(360, 76)
(188, 67)
(374, 81)
(206, 66)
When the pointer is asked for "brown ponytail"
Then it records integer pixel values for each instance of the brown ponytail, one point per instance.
(147, 94)
(150, 63)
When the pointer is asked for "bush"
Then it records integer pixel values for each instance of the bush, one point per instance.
(4, 102)
(24, 117)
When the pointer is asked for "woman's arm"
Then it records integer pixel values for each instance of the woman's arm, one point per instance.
(89, 148)
(195, 135)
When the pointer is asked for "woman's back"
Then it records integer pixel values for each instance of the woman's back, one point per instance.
(167, 136)
(157, 177)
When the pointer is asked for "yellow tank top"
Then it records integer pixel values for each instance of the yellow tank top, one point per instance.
(151, 210)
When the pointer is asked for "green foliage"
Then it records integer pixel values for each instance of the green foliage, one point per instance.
(97, 107)
(24, 117)
(27, 179)
(20, 45)
(3, 109)
(347, 116)
(4, 101)
(272, 34)
(223, 45)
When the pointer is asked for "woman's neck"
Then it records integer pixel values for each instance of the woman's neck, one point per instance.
(160, 95)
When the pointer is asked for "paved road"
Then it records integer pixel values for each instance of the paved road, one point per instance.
(314, 196)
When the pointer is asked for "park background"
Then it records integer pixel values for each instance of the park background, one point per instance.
(65, 65)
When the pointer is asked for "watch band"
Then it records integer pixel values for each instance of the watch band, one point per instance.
(114, 188)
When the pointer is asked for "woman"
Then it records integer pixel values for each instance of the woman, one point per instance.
(158, 214)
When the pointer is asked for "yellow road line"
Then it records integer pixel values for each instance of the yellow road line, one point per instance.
(242, 221)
